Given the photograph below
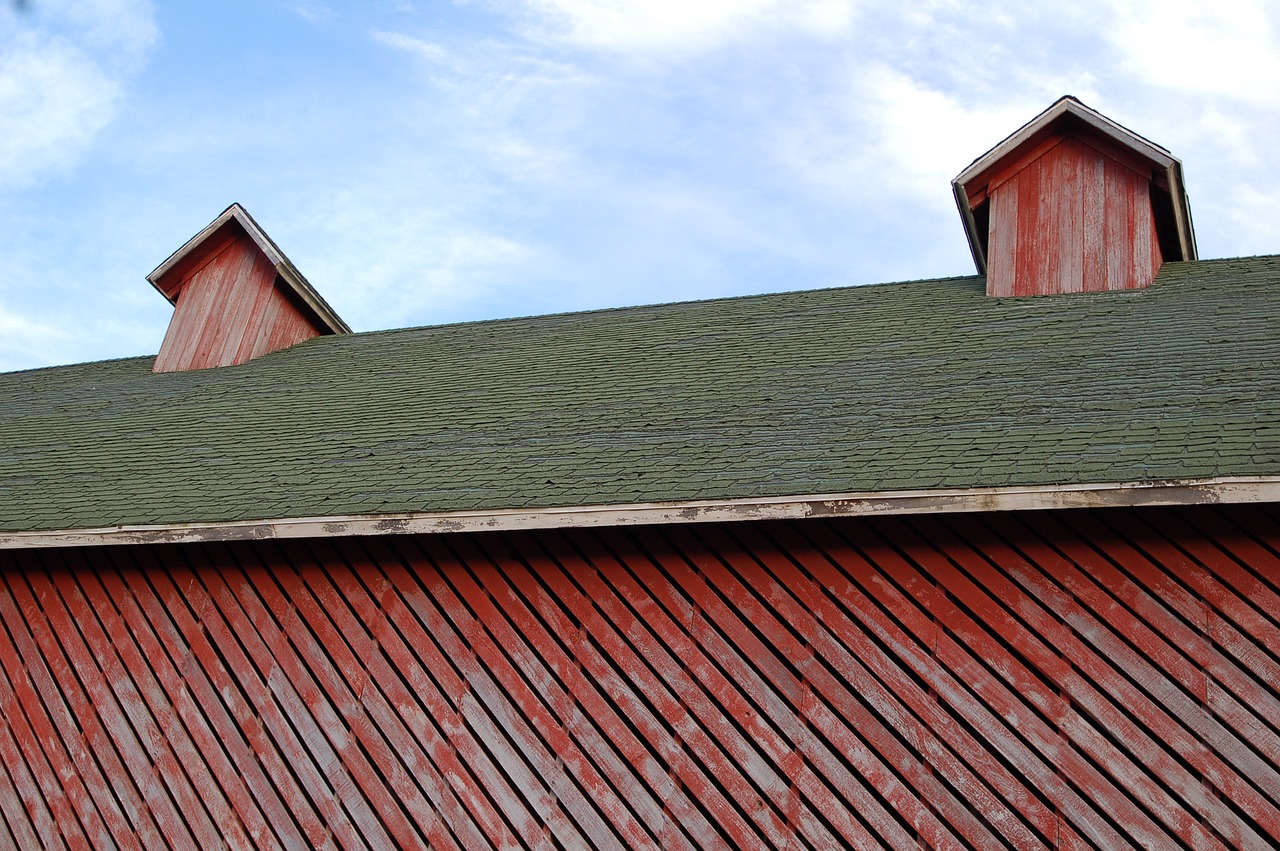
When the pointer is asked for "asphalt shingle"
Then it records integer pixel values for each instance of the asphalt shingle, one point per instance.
(897, 386)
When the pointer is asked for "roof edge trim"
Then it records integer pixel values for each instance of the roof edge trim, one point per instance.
(1068, 105)
(945, 500)
(284, 267)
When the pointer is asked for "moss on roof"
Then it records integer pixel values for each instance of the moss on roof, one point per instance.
(928, 384)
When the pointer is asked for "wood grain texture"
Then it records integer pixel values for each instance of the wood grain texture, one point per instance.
(230, 308)
(1076, 217)
(1070, 679)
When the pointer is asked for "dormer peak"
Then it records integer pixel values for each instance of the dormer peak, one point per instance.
(236, 296)
(1074, 202)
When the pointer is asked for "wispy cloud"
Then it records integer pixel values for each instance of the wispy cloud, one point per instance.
(479, 158)
(679, 25)
(420, 47)
(312, 12)
(62, 70)
(53, 101)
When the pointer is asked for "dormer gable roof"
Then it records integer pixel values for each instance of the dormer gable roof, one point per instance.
(236, 297)
(1069, 119)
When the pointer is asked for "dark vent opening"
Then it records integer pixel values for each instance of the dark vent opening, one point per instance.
(1166, 225)
(982, 223)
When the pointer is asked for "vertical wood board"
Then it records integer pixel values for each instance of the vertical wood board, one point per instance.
(1071, 219)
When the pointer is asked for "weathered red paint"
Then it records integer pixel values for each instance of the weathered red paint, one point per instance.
(1075, 217)
(1049, 679)
(229, 307)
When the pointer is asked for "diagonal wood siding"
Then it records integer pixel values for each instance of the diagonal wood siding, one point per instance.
(1056, 679)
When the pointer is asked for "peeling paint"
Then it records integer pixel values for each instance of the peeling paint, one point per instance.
(1020, 498)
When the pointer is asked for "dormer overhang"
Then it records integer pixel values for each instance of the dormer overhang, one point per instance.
(1069, 119)
(167, 277)
(236, 296)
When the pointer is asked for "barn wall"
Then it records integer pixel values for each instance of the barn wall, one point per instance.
(1071, 679)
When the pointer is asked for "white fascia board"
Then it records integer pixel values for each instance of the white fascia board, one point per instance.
(949, 500)
(284, 267)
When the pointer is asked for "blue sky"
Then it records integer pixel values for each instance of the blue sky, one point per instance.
(430, 162)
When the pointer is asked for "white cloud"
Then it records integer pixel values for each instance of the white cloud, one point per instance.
(1228, 50)
(118, 33)
(62, 72)
(888, 134)
(312, 12)
(429, 50)
(53, 101)
(646, 25)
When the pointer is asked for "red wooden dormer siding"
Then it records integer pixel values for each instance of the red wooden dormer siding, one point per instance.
(236, 297)
(1073, 202)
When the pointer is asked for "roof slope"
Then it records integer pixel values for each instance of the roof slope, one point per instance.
(899, 386)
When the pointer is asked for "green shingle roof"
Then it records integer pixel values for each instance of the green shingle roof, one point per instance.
(928, 384)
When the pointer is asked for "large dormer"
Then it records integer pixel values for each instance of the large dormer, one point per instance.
(235, 297)
(1073, 202)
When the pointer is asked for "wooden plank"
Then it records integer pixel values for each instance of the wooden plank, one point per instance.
(177, 276)
(1069, 176)
(1126, 750)
(1017, 681)
(336, 597)
(1093, 224)
(122, 713)
(91, 746)
(183, 333)
(1028, 261)
(160, 731)
(1002, 240)
(1179, 620)
(528, 676)
(209, 296)
(49, 726)
(1239, 600)
(254, 285)
(228, 313)
(1117, 222)
(18, 829)
(412, 713)
(409, 629)
(1237, 559)
(530, 762)
(990, 789)
(900, 772)
(690, 796)
(586, 706)
(736, 779)
(319, 740)
(1009, 169)
(1044, 256)
(1141, 226)
(251, 691)
(1223, 757)
(184, 685)
(750, 666)
(1128, 688)
(880, 597)
(898, 608)
(291, 326)
(37, 803)
(314, 660)
(174, 614)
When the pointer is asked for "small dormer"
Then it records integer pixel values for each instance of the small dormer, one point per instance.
(235, 297)
(1073, 202)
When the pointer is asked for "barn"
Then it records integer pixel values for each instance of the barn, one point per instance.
(984, 562)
